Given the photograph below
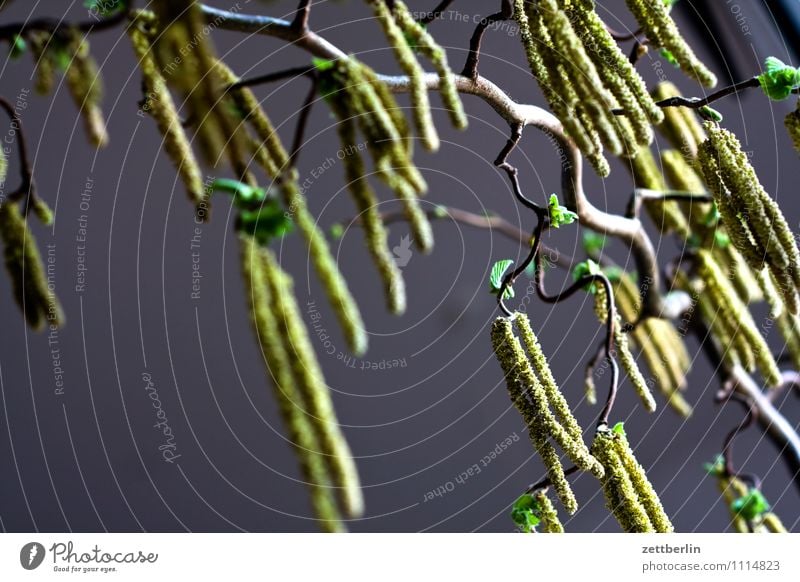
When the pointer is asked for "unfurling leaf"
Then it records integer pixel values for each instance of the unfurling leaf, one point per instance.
(496, 278)
(778, 79)
(244, 194)
(751, 505)
(584, 268)
(560, 215)
(524, 513)
(268, 222)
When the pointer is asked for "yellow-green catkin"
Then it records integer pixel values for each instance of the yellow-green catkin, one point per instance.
(160, 105)
(792, 123)
(754, 222)
(313, 389)
(408, 63)
(622, 498)
(662, 346)
(195, 75)
(530, 399)
(86, 88)
(747, 335)
(519, 372)
(330, 276)
(550, 73)
(371, 108)
(375, 231)
(666, 214)
(623, 351)
(589, 387)
(290, 402)
(29, 279)
(39, 43)
(772, 523)
(616, 71)
(681, 126)
(641, 484)
(662, 32)
(629, 494)
(424, 43)
(547, 513)
(540, 365)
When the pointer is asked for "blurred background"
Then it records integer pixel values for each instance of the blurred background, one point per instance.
(85, 452)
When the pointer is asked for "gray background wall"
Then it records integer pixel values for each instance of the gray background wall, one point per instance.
(89, 459)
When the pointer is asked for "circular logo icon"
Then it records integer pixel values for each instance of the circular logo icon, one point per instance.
(31, 555)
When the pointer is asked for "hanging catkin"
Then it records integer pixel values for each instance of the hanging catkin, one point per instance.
(39, 43)
(623, 350)
(746, 336)
(86, 88)
(423, 42)
(547, 513)
(753, 220)
(629, 495)
(312, 388)
(366, 201)
(330, 276)
(530, 399)
(160, 105)
(290, 403)
(662, 32)
(681, 126)
(23, 262)
(416, 75)
(355, 94)
(549, 72)
(661, 345)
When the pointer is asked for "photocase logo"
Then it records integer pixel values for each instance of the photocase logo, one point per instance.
(402, 252)
(31, 555)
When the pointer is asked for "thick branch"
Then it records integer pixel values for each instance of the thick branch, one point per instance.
(629, 230)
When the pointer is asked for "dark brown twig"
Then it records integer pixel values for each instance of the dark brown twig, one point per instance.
(471, 66)
(27, 184)
(435, 13)
(54, 25)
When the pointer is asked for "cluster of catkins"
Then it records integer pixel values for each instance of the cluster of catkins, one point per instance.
(661, 345)
(584, 75)
(67, 51)
(629, 494)
(535, 394)
(406, 36)
(550, 422)
(623, 350)
(740, 247)
(300, 389)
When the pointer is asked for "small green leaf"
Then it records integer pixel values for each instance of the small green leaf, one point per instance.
(614, 273)
(496, 278)
(244, 194)
(778, 79)
(593, 243)
(721, 239)
(268, 222)
(670, 58)
(619, 428)
(717, 467)
(525, 512)
(751, 506)
(713, 216)
(323, 65)
(560, 215)
(584, 268)
(17, 47)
